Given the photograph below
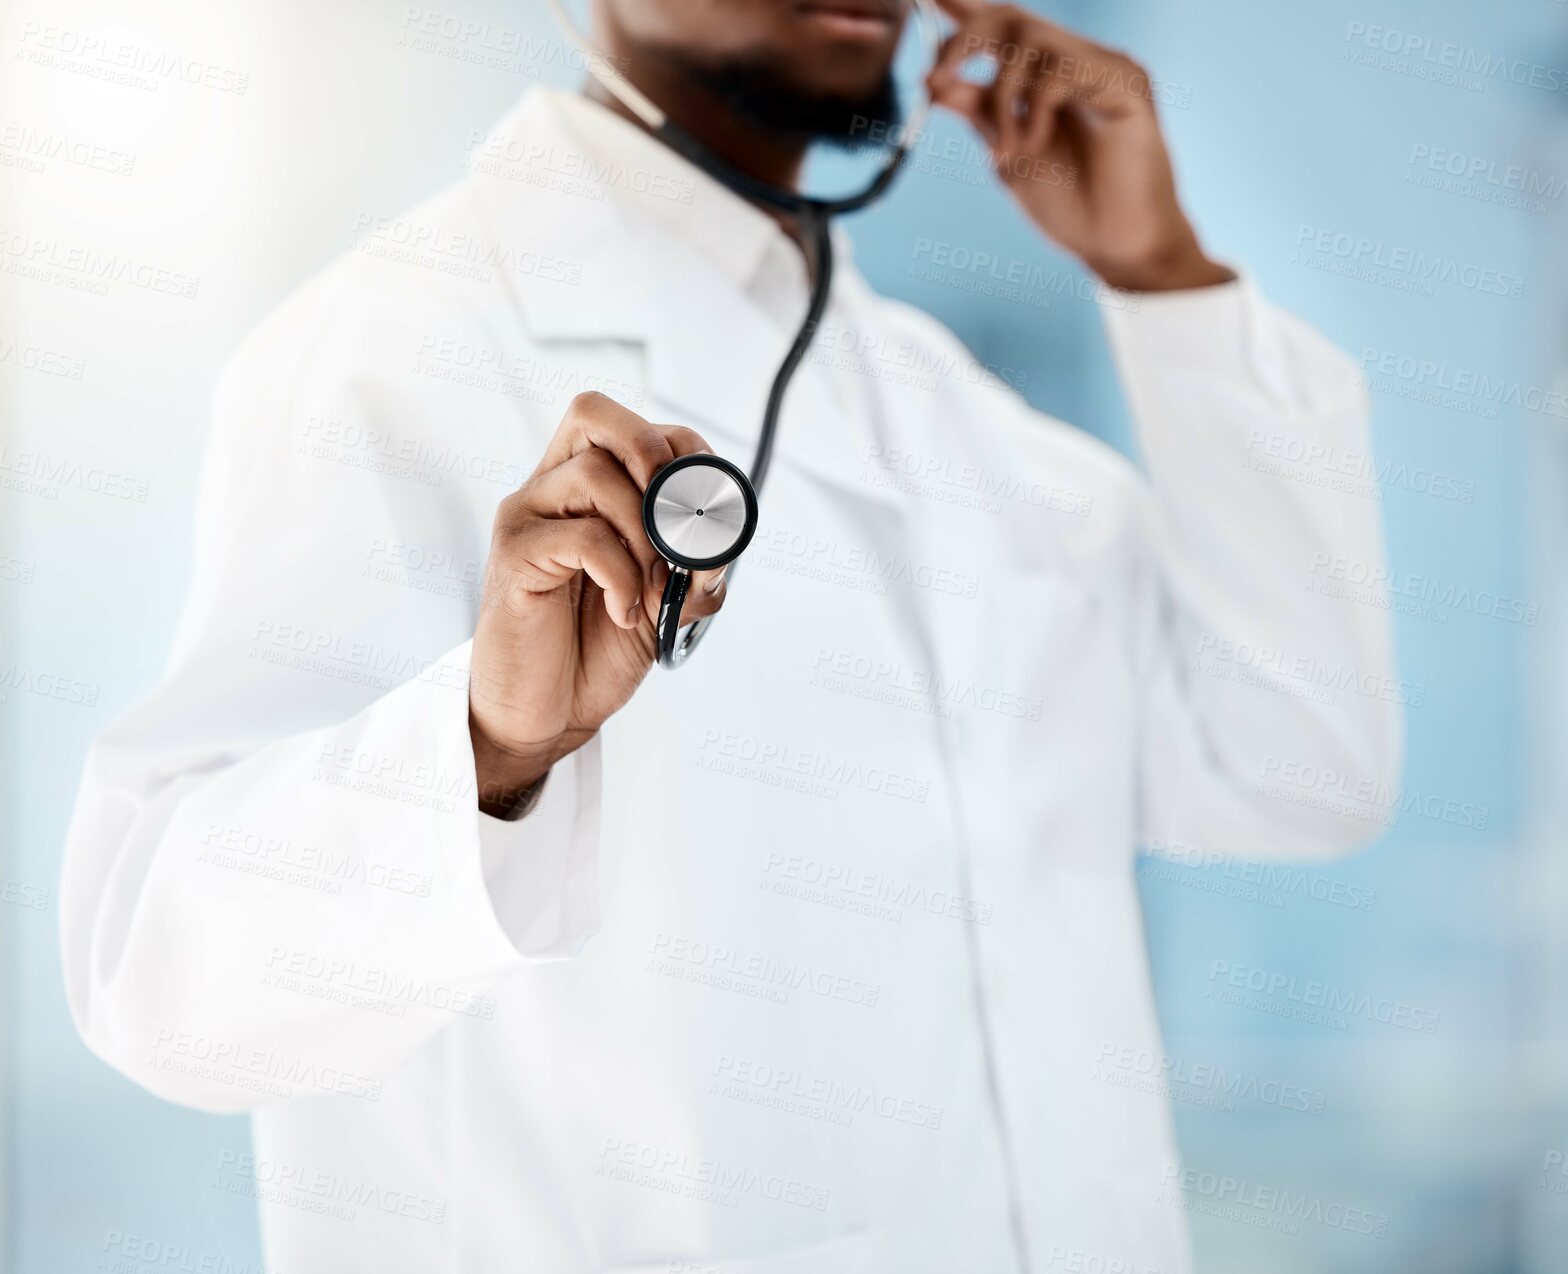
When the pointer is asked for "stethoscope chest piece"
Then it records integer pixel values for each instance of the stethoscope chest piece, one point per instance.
(700, 513)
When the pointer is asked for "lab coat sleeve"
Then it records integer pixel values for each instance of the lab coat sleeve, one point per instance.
(277, 863)
(1273, 724)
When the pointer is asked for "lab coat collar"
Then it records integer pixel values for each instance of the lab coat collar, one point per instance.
(648, 179)
(677, 251)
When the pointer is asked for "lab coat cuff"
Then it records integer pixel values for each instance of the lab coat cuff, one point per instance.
(1222, 333)
(525, 887)
(541, 869)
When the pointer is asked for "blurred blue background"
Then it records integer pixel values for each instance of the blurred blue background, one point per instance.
(1298, 134)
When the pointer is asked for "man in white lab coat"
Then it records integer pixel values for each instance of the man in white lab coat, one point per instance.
(802, 958)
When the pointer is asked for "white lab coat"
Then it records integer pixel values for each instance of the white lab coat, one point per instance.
(808, 961)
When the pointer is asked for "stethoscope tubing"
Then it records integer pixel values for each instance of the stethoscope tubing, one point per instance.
(673, 650)
(675, 645)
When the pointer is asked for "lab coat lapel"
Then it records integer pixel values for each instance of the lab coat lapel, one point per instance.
(708, 351)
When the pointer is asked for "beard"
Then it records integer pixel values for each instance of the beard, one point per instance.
(755, 90)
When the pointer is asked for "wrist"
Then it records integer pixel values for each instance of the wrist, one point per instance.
(504, 775)
(1176, 268)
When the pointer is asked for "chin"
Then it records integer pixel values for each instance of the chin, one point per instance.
(827, 73)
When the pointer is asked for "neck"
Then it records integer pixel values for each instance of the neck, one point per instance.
(743, 146)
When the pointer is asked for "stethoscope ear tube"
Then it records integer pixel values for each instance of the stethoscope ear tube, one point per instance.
(673, 643)
(928, 21)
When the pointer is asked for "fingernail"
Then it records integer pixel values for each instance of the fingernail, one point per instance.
(631, 615)
(661, 574)
(713, 585)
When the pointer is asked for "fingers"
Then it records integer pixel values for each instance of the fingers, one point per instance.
(544, 554)
(706, 595)
(684, 441)
(983, 32)
(581, 511)
(596, 420)
(1040, 69)
(592, 483)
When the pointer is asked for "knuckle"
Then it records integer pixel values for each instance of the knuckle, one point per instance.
(512, 508)
(598, 466)
(598, 532)
(590, 402)
(507, 589)
(650, 441)
(688, 438)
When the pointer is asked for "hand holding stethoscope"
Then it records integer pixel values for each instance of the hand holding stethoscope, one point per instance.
(566, 629)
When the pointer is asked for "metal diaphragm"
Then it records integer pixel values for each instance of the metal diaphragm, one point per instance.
(700, 512)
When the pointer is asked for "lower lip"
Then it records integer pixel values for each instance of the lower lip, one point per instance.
(850, 26)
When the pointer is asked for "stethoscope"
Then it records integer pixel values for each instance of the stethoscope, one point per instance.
(700, 511)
